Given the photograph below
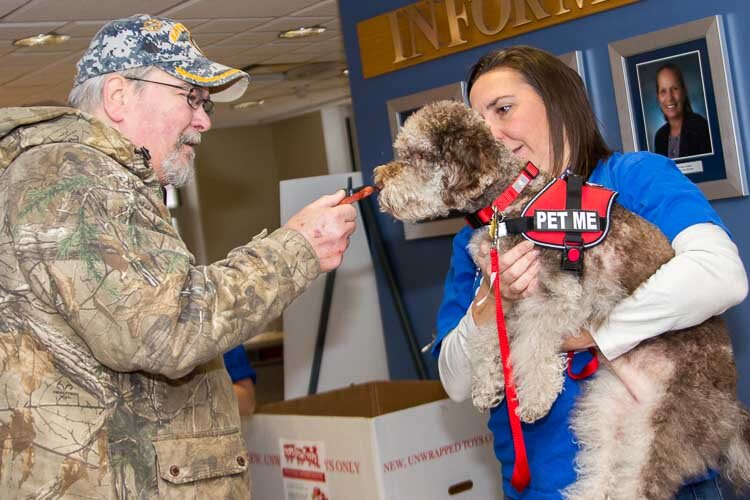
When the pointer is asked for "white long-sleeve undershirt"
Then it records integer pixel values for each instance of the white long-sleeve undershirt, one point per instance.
(704, 278)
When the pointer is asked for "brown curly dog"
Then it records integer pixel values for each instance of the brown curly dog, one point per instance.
(649, 420)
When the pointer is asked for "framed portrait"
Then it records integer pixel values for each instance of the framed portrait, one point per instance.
(675, 97)
(399, 110)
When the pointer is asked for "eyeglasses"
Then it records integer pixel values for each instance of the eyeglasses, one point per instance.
(194, 98)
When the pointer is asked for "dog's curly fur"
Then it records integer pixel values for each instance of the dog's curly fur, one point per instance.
(648, 421)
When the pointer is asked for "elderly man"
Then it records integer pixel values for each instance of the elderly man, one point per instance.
(111, 379)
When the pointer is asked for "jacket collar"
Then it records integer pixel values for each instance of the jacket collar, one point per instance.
(25, 128)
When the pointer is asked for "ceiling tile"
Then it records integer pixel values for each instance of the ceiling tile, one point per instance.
(326, 8)
(14, 31)
(289, 23)
(53, 75)
(10, 73)
(6, 47)
(248, 39)
(332, 45)
(334, 25)
(288, 58)
(205, 39)
(219, 52)
(37, 95)
(82, 28)
(235, 25)
(84, 10)
(255, 8)
(266, 51)
(7, 6)
(36, 59)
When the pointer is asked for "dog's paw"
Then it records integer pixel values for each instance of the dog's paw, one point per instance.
(530, 413)
(536, 400)
(479, 246)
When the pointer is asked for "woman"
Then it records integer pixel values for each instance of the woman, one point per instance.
(686, 132)
(538, 108)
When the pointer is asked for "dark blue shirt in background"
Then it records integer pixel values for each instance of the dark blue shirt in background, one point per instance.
(238, 365)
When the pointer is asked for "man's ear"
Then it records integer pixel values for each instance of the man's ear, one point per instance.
(115, 98)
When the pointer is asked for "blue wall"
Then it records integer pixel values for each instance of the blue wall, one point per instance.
(420, 265)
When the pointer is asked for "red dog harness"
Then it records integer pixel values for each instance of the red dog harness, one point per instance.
(568, 214)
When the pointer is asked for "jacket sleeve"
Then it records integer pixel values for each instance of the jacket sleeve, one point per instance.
(96, 247)
(704, 278)
(458, 291)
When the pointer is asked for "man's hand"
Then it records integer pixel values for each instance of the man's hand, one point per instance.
(519, 269)
(327, 227)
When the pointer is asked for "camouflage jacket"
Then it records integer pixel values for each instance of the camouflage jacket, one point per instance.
(111, 378)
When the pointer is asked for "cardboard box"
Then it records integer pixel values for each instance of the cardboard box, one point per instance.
(374, 441)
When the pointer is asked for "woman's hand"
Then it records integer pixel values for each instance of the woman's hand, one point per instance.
(519, 269)
(519, 277)
(583, 341)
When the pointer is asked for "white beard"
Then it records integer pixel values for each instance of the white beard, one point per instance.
(176, 171)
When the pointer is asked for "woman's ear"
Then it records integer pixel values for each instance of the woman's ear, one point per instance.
(115, 98)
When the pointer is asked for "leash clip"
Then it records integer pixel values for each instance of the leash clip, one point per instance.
(498, 217)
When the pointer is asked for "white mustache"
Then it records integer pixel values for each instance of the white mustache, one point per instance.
(190, 138)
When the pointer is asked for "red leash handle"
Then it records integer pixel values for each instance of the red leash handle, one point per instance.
(521, 474)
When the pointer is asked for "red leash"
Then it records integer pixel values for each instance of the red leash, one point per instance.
(521, 473)
(587, 370)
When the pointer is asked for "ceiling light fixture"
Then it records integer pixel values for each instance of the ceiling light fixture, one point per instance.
(302, 32)
(248, 104)
(36, 40)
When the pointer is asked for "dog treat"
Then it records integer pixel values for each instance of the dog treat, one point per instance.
(359, 195)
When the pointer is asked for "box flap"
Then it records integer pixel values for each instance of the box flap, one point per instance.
(362, 400)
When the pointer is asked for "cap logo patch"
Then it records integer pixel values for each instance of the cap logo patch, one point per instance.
(152, 25)
(178, 30)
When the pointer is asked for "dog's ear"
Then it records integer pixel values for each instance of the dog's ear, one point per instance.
(468, 153)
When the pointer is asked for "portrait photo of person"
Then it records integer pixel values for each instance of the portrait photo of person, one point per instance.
(674, 106)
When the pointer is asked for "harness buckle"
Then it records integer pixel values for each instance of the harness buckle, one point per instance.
(572, 256)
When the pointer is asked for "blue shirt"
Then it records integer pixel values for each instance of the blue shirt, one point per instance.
(649, 185)
(238, 365)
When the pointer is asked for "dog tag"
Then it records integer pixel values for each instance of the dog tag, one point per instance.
(493, 228)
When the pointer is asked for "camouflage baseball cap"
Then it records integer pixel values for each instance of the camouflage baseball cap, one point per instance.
(143, 40)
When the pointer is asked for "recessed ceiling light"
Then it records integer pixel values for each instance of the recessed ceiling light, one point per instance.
(36, 40)
(345, 72)
(249, 104)
(302, 32)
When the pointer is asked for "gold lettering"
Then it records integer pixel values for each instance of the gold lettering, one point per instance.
(564, 10)
(478, 11)
(430, 31)
(398, 47)
(521, 18)
(579, 3)
(453, 18)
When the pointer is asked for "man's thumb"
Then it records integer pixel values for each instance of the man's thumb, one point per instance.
(330, 200)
